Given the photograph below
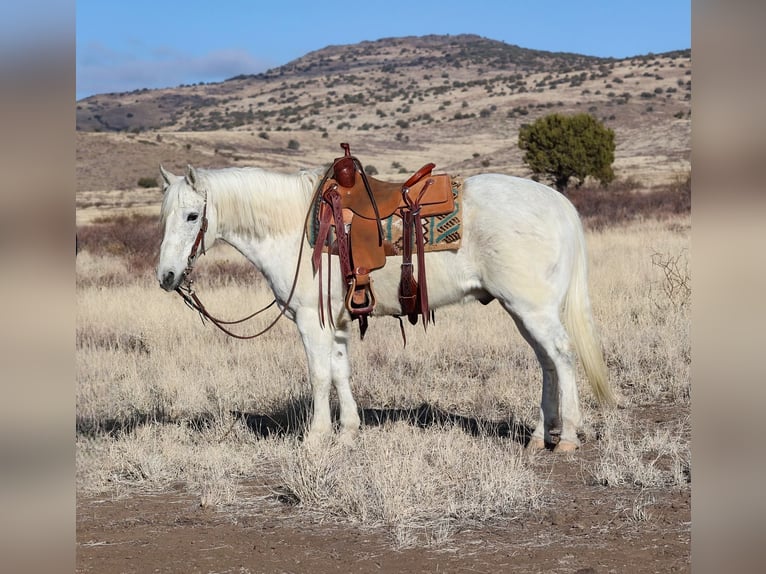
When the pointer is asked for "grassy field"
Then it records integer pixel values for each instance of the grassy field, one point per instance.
(165, 402)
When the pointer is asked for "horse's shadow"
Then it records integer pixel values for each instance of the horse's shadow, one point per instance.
(293, 420)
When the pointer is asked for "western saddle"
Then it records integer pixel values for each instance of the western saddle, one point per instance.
(355, 205)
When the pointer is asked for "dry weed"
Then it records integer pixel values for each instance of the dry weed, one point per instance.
(659, 458)
(420, 484)
(163, 399)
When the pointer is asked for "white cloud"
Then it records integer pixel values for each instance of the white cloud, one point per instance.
(101, 69)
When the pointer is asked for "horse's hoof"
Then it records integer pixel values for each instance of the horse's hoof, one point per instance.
(348, 438)
(566, 446)
(535, 444)
(315, 440)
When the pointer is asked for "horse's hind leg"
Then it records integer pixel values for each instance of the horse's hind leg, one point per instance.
(559, 409)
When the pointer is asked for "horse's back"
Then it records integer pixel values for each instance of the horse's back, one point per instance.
(515, 197)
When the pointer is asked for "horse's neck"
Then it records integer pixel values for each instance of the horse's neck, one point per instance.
(274, 257)
(272, 243)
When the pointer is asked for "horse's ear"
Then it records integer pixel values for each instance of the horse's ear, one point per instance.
(167, 177)
(191, 175)
(193, 179)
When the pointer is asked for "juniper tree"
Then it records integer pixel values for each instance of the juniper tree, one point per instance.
(561, 147)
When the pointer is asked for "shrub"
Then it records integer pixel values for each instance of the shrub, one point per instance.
(622, 203)
(563, 147)
(293, 145)
(135, 238)
(148, 182)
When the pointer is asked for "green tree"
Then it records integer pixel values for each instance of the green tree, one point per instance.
(562, 147)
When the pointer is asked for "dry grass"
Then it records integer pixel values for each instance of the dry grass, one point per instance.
(419, 484)
(647, 343)
(164, 401)
(660, 458)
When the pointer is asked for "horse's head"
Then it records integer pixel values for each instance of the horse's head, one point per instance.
(189, 226)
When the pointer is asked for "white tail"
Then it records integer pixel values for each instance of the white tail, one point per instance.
(578, 319)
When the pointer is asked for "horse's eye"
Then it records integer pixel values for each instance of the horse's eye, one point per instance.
(192, 217)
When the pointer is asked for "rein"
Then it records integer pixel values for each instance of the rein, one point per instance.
(187, 293)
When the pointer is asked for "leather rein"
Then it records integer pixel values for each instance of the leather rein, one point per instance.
(186, 290)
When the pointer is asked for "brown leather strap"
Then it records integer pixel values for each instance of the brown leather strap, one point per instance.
(341, 237)
(422, 286)
(420, 174)
(199, 241)
(410, 291)
(372, 201)
(191, 299)
(331, 214)
(407, 285)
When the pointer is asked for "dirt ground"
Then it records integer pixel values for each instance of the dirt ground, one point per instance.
(584, 528)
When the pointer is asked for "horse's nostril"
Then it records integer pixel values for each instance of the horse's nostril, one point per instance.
(168, 279)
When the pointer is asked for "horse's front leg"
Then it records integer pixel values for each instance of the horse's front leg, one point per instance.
(318, 344)
(341, 371)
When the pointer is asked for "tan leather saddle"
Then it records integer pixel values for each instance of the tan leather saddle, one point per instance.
(355, 205)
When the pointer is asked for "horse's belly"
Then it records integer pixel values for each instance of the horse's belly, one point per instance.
(448, 278)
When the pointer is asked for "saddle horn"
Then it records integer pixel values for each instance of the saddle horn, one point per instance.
(345, 168)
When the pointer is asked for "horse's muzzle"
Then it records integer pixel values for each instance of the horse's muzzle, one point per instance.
(168, 282)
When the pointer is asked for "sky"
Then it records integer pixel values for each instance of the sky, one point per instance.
(128, 45)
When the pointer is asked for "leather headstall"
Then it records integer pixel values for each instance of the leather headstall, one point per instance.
(199, 242)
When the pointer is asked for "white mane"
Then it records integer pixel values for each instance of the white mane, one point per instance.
(251, 200)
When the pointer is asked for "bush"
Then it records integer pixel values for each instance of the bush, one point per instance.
(148, 182)
(293, 145)
(135, 238)
(622, 202)
(563, 147)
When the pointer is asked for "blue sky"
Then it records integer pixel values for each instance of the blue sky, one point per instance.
(126, 45)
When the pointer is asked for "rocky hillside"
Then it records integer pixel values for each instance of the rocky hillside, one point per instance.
(400, 102)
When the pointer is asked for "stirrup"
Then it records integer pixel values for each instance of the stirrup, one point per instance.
(354, 308)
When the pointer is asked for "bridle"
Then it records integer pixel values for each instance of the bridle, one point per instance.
(186, 290)
(199, 241)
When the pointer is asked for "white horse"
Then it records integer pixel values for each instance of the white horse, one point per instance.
(522, 244)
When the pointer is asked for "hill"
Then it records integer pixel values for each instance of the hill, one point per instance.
(455, 100)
